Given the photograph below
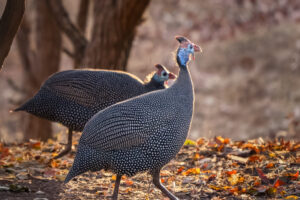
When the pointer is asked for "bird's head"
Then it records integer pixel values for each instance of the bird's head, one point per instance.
(162, 74)
(186, 50)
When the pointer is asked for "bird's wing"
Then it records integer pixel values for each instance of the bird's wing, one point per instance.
(87, 88)
(117, 127)
(72, 85)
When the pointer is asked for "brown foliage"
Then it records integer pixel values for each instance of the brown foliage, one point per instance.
(213, 175)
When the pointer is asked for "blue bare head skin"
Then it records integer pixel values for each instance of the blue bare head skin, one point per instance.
(159, 79)
(162, 74)
(186, 50)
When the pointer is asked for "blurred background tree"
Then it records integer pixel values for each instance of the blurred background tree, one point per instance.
(39, 43)
(114, 28)
(40, 56)
(9, 24)
(246, 79)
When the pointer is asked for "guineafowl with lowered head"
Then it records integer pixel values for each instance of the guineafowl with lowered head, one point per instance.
(140, 134)
(72, 97)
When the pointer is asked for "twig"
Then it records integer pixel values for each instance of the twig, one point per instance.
(65, 24)
(83, 15)
(14, 86)
(68, 52)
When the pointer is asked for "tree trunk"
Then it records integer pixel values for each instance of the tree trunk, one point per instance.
(39, 64)
(82, 17)
(9, 24)
(114, 29)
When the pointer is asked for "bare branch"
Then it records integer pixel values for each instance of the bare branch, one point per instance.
(68, 52)
(15, 87)
(9, 24)
(65, 24)
(83, 15)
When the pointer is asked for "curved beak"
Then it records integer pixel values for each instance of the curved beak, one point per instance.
(197, 48)
(172, 76)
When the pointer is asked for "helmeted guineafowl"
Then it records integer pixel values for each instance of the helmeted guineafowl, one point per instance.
(72, 97)
(140, 134)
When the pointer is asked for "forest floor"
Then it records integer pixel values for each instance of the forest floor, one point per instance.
(217, 168)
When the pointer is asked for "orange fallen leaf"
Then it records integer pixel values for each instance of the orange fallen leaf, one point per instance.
(200, 141)
(234, 190)
(211, 177)
(128, 190)
(293, 176)
(254, 158)
(220, 140)
(270, 165)
(296, 146)
(220, 148)
(256, 183)
(128, 182)
(35, 145)
(54, 154)
(197, 156)
(250, 146)
(226, 141)
(214, 187)
(272, 155)
(113, 177)
(241, 180)
(292, 197)
(54, 164)
(180, 169)
(191, 171)
(231, 172)
(278, 183)
(4, 152)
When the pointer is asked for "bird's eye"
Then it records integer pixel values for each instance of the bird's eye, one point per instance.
(164, 73)
(190, 46)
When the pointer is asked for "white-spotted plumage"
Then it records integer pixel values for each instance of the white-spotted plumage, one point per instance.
(140, 134)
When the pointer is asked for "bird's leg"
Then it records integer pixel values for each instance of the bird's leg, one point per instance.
(116, 190)
(68, 146)
(157, 183)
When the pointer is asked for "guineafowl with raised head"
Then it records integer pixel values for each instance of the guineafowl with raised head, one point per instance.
(72, 97)
(140, 134)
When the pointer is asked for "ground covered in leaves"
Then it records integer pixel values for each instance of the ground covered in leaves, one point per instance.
(204, 169)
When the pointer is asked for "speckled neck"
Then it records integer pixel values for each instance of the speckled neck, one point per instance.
(154, 84)
(183, 83)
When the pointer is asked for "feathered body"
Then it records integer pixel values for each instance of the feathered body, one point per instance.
(141, 134)
(72, 97)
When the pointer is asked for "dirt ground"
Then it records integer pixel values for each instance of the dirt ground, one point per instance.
(204, 169)
(246, 85)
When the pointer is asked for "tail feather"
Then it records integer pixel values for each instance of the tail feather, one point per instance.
(18, 109)
(70, 175)
(86, 159)
(24, 107)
